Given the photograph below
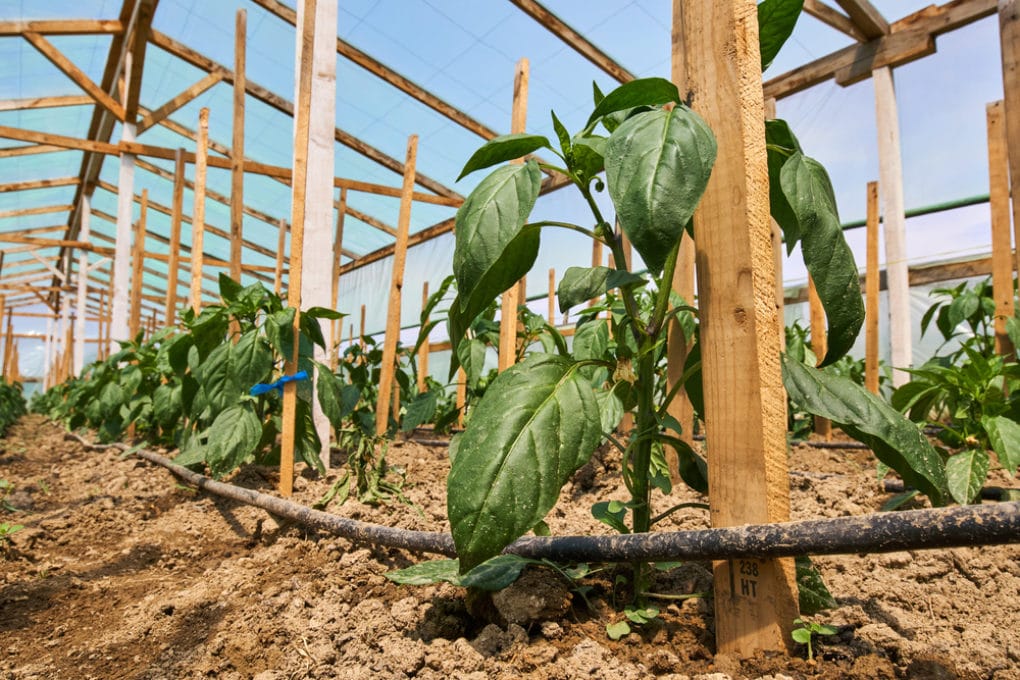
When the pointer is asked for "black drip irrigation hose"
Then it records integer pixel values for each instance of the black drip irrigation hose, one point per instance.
(955, 527)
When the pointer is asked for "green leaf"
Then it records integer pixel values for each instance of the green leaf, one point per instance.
(323, 313)
(497, 573)
(813, 595)
(230, 289)
(537, 423)
(1004, 435)
(334, 398)
(617, 630)
(966, 473)
(217, 379)
(233, 437)
(801, 635)
(899, 500)
(611, 513)
(503, 148)
(776, 20)
(580, 284)
(589, 153)
(420, 410)
(251, 360)
(562, 135)
(640, 92)
(780, 144)
(610, 408)
(472, 359)
(896, 441)
(426, 573)
(339, 490)
(826, 253)
(492, 252)
(657, 166)
(591, 340)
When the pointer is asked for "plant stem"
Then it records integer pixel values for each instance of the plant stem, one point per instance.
(647, 422)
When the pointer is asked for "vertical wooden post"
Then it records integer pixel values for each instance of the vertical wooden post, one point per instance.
(890, 175)
(8, 368)
(819, 345)
(596, 261)
(198, 212)
(237, 148)
(48, 355)
(461, 395)
(389, 358)
(1002, 252)
(423, 351)
(511, 296)
(100, 326)
(120, 271)
(745, 404)
(871, 285)
(362, 327)
(338, 242)
(173, 261)
(777, 248)
(137, 263)
(552, 296)
(281, 247)
(3, 354)
(1009, 39)
(302, 116)
(84, 234)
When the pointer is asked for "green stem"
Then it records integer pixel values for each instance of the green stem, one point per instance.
(641, 463)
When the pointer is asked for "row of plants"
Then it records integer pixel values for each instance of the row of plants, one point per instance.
(12, 404)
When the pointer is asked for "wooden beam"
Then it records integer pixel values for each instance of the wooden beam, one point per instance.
(745, 405)
(28, 212)
(45, 102)
(237, 147)
(29, 150)
(281, 247)
(139, 39)
(872, 274)
(62, 27)
(170, 312)
(198, 218)
(866, 17)
(575, 40)
(38, 184)
(1002, 251)
(57, 58)
(137, 263)
(181, 99)
(1009, 41)
(833, 18)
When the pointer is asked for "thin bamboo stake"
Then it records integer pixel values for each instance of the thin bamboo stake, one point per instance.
(137, 264)
(1002, 253)
(871, 284)
(389, 357)
(173, 264)
(198, 211)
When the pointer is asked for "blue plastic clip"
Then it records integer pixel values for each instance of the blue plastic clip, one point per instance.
(262, 388)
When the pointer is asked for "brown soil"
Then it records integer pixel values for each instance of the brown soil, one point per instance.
(122, 573)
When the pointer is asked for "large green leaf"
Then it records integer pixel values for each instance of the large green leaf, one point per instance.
(780, 144)
(335, 401)
(640, 92)
(776, 19)
(492, 252)
(233, 437)
(657, 166)
(537, 423)
(251, 360)
(966, 473)
(217, 380)
(896, 441)
(580, 284)
(472, 358)
(503, 148)
(1004, 435)
(826, 253)
(420, 410)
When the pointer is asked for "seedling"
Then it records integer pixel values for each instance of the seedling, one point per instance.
(6, 529)
(804, 631)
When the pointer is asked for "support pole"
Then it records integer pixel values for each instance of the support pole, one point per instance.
(871, 288)
(173, 262)
(389, 357)
(423, 351)
(198, 211)
(121, 272)
(745, 403)
(84, 234)
(3, 353)
(511, 296)
(137, 269)
(281, 247)
(1002, 251)
(819, 345)
(890, 175)
(237, 148)
(1009, 40)
(336, 328)
(552, 297)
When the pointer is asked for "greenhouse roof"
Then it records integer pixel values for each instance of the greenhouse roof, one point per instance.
(441, 69)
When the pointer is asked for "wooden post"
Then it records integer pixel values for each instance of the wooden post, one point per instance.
(890, 174)
(338, 241)
(777, 248)
(84, 234)
(173, 262)
(389, 358)
(871, 285)
(302, 116)
(423, 351)
(198, 211)
(362, 328)
(237, 148)
(137, 264)
(121, 269)
(1002, 252)
(511, 296)
(1009, 40)
(552, 296)
(281, 247)
(745, 404)
(8, 367)
(819, 345)
(3, 354)
(461, 395)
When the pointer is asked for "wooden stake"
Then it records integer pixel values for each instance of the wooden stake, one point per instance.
(389, 357)
(173, 264)
(1009, 41)
(84, 233)
(3, 354)
(362, 327)
(423, 351)
(137, 263)
(237, 148)
(819, 345)
(338, 247)
(1002, 252)
(596, 261)
(281, 247)
(745, 404)
(121, 271)
(871, 284)
(552, 296)
(511, 296)
(461, 395)
(198, 211)
(890, 174)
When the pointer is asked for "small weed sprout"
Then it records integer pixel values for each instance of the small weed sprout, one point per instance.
(805, 630)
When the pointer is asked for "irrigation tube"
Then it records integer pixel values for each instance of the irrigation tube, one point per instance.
(954, 527)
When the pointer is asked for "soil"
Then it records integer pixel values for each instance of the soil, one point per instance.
(123, 573)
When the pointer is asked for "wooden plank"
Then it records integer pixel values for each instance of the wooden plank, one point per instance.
(890, 177)
(511, 299)
(423, 351)
(897, 49)
(745, 405)
(237, 148)
(41, 210)
(338, 250)
(45, 102)
(181, 99)
(551, 317)
(135, 63)
(819, 345)
(38, 184)
(461, 402)
(575, 40)
(67, 67)
(84, 232)
(872, 275)
(173, 264)
(1002, 251)
(827, 15)
(198, 211)
(137, 263)
(1009, 41)
(52, 243)
(866, 17)
(389, 357)
(29, 150)
(62, 27)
